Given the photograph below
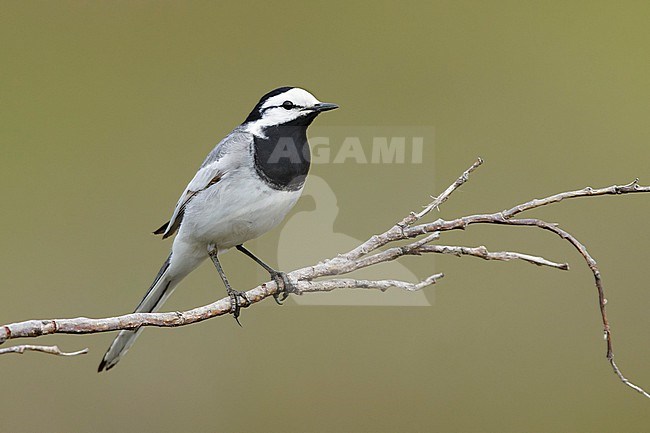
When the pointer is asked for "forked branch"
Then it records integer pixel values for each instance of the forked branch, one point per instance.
(417, 238)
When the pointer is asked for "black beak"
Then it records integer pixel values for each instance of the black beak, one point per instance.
(322, 106)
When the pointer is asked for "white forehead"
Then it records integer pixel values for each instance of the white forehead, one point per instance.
(296, 95)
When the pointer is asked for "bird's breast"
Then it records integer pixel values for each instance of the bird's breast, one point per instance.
(239, 208)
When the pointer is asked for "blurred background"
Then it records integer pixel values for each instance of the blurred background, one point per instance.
(108, 108)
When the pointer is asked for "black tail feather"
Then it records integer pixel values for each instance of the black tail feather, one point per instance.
(162, 229)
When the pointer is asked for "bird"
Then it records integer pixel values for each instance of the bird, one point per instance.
(245, 187)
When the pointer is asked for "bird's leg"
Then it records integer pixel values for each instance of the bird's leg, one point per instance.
(284, 285)
(234, 294)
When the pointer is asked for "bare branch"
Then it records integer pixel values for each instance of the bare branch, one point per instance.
(437, 201)
(483, 253)
(397, 231)
(602, 301)
(585, 192)
(310, 279)
(383, 285)
(52, 350)
(84, 325)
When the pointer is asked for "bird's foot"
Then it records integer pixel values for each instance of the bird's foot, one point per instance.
(284, 286)
(236, 305)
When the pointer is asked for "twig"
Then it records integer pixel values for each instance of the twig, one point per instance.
(585, 192)
(602, 301)
(383, 285)
(397, 231)
(52, 350)
(437, 201)
(483, 253)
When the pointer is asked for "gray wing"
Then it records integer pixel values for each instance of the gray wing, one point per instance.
(226, 156)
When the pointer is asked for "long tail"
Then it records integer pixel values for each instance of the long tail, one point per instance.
(161, 288)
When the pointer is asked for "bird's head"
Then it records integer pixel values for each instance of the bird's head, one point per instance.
(286, 106)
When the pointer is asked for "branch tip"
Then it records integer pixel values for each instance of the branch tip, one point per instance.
(52, 350)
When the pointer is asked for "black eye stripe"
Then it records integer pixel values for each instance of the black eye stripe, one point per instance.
(280, 106)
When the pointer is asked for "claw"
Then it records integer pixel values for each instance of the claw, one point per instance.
(284, 287)
(236, 305)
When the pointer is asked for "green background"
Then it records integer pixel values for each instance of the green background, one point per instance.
(107, 108)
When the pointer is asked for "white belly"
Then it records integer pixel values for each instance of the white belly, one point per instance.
(237, 209)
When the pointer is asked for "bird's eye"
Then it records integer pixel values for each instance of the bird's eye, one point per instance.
(287, 105)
